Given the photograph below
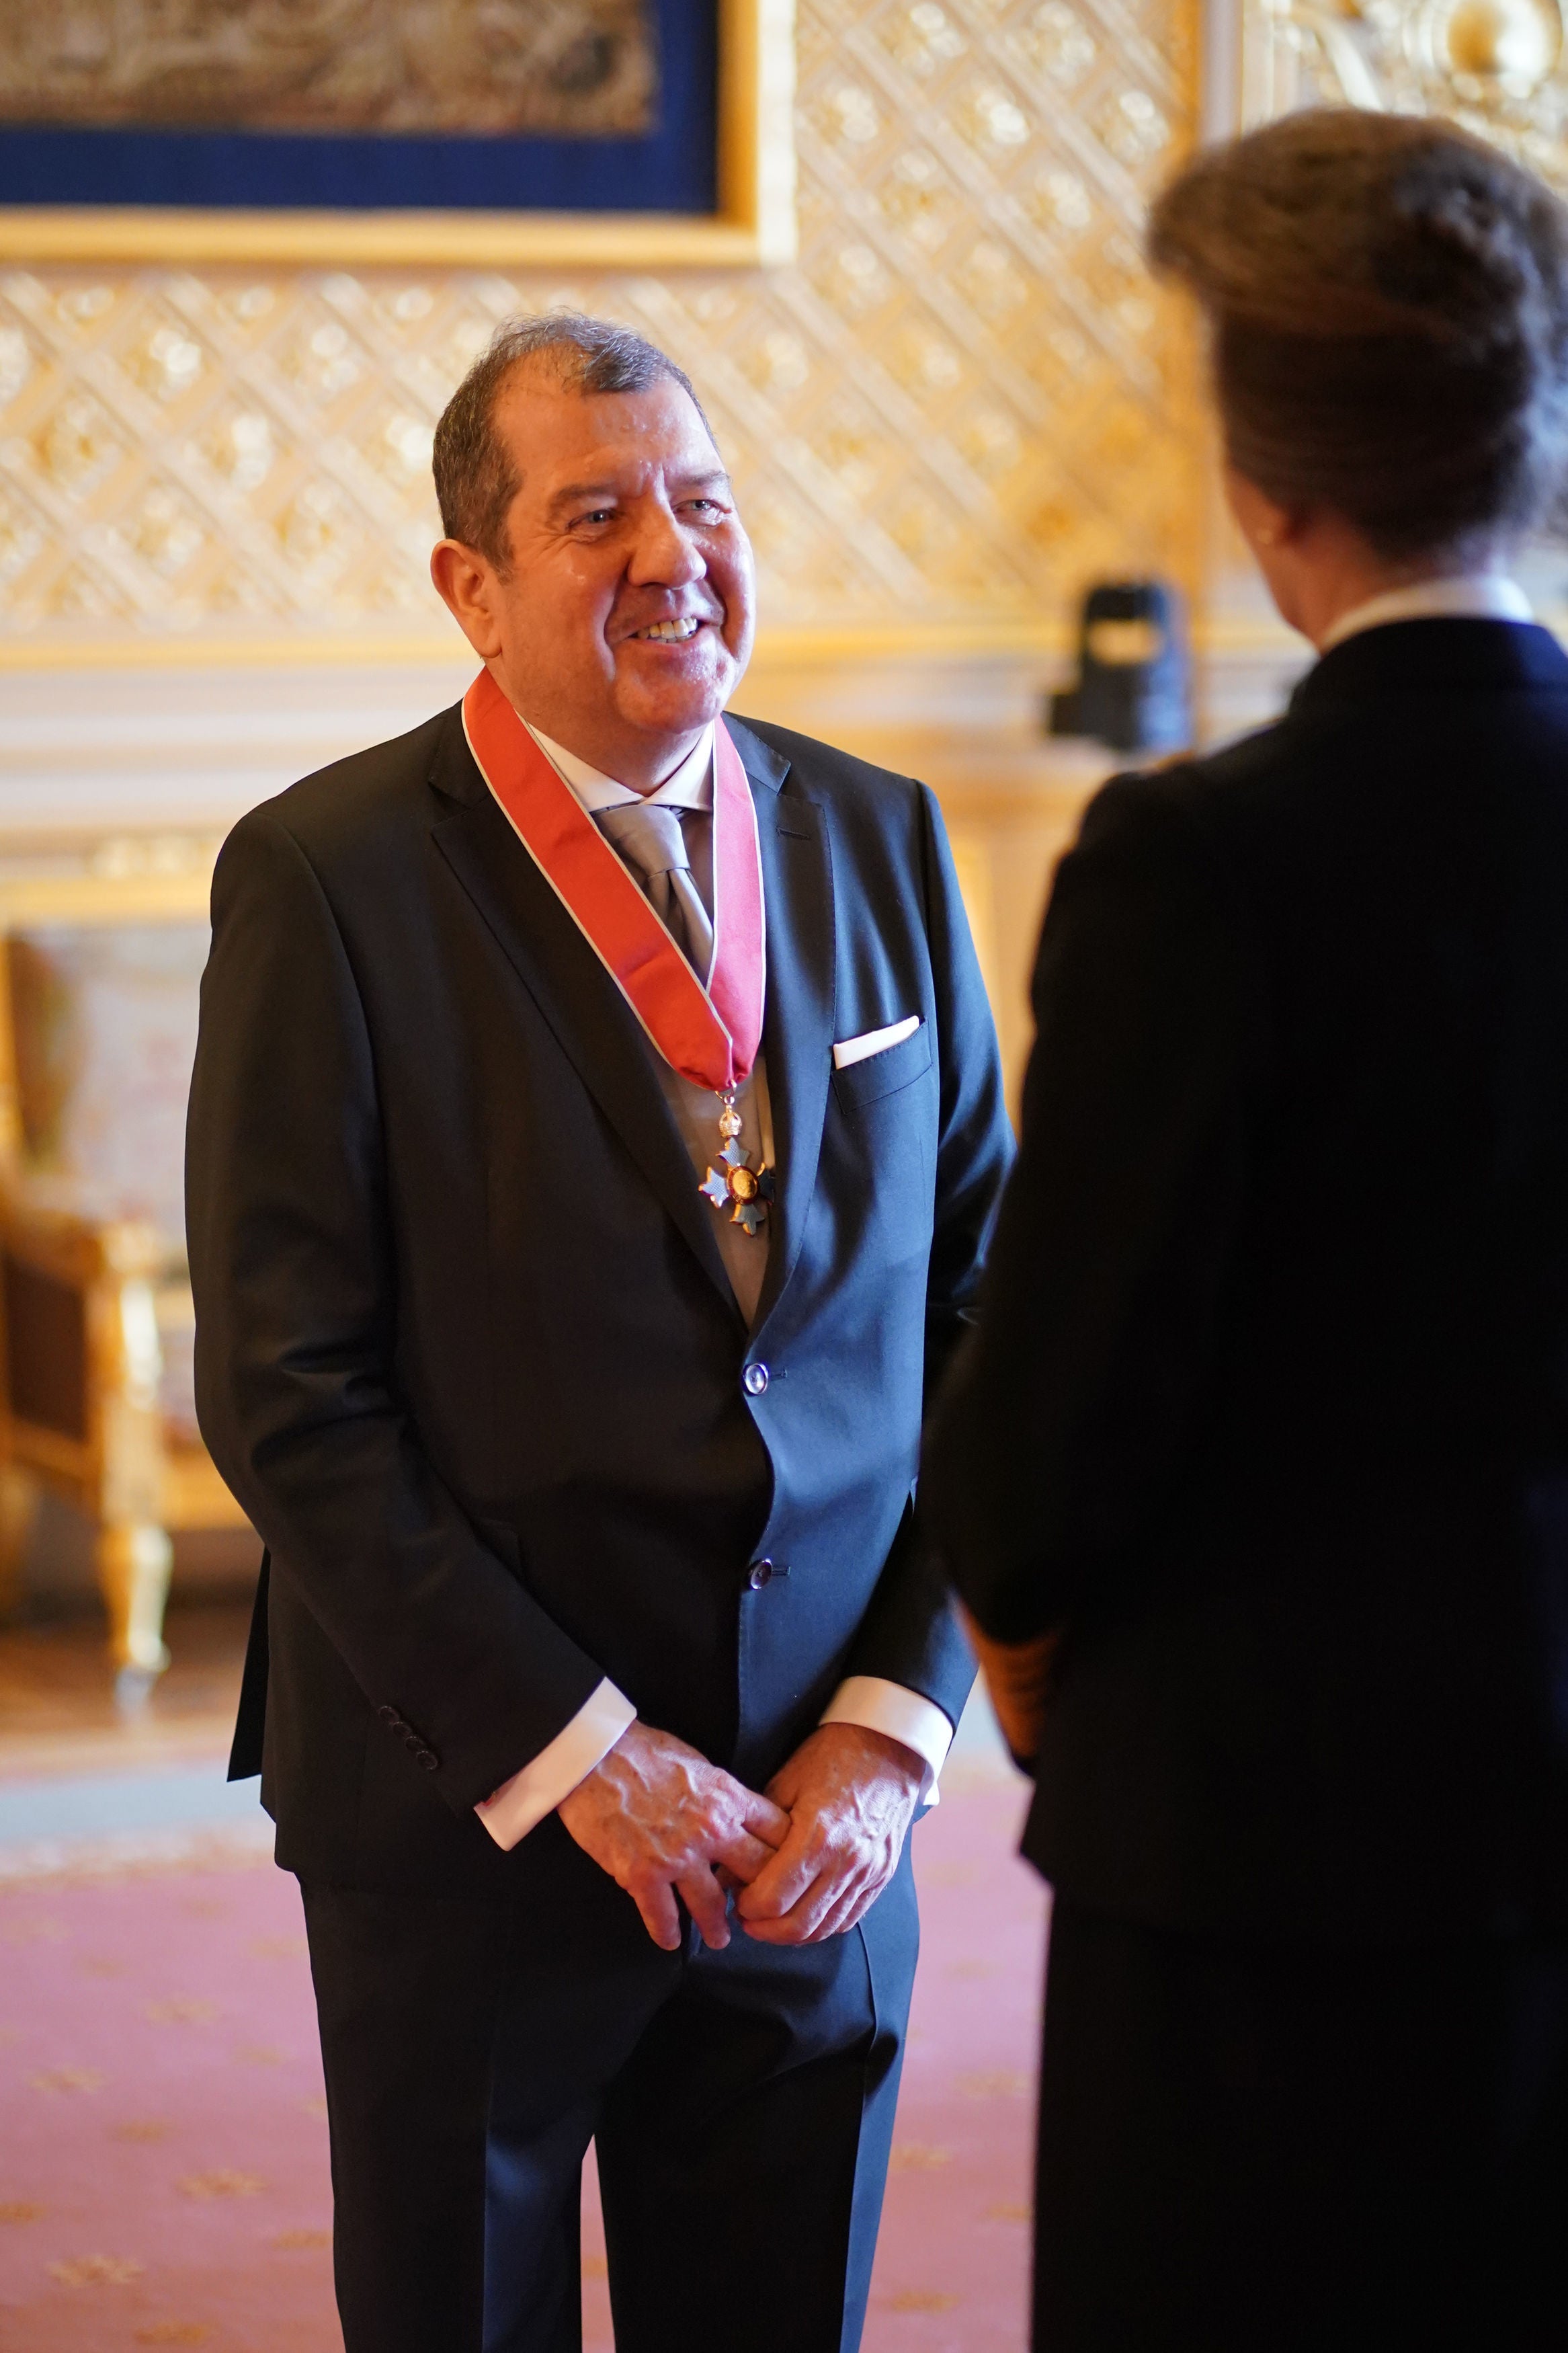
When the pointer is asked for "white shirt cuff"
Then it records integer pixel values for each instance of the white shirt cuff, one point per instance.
(521, 1803)
(882, 1707)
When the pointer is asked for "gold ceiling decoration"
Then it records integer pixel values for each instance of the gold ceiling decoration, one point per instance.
(963, 401)
(1491, 64)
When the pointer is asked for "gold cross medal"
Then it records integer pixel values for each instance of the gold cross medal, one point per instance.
(734, 1184)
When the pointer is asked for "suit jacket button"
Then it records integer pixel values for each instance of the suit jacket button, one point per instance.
(755, 1380)
(427, 1758)
(758, 1575)
(391, 1718)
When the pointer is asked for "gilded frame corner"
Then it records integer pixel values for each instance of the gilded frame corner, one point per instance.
(754, 226)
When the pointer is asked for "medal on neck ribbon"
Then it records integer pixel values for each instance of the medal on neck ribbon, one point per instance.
(746, 1192)
(711, 1036)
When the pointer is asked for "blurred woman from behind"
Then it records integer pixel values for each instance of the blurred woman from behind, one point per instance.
(1255, 1478)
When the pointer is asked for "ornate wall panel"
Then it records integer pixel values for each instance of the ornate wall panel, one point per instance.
(1493, 65)
(963, 401)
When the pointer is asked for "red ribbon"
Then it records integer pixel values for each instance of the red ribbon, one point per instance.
(710, 1035)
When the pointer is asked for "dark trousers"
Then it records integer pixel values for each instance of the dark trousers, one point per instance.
(742, 2103)
(1301, 2150)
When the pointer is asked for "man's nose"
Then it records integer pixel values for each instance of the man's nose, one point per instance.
(666, 555)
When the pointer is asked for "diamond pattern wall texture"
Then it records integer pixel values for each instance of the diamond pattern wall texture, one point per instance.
(963, 402)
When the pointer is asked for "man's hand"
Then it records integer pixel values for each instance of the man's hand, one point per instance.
(660, 1820)
(851, 1795)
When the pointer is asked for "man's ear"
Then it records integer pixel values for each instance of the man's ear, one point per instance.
(466, 584)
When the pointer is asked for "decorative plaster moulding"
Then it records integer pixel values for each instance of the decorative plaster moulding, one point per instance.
(1493, 66)
(754, 225)
(775, 648)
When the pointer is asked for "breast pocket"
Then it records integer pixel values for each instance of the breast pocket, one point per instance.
(884, 1073)
(886, 1122)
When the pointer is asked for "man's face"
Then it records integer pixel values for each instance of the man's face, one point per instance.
(624, 619)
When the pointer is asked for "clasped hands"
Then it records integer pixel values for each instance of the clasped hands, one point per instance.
(806, 1860)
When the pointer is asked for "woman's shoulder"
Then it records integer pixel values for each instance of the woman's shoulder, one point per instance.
(1191, 792)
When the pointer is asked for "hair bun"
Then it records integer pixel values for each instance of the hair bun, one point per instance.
(1389, 297)
(1473, 261)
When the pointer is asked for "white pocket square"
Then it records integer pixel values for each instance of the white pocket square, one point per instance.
(874, 1042)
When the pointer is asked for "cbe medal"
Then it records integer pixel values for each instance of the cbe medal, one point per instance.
(734, 1184)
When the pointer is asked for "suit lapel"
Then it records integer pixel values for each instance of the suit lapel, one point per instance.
(590, 1019)
(797, 1028)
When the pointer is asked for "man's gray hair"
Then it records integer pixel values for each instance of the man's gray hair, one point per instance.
(475, 477)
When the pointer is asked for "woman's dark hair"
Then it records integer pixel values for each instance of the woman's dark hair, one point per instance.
(475, 477)
(1388, 301)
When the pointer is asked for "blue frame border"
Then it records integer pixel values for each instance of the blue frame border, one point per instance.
(673, 169)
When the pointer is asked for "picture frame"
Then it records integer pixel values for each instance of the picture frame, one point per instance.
(752, 222)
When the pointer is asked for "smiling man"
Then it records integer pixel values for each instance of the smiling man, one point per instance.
(596, 1129)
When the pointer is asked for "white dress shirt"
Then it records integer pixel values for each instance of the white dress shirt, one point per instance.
(871, 1700)
(1468, 597)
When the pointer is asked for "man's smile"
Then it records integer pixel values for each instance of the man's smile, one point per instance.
(670, 633)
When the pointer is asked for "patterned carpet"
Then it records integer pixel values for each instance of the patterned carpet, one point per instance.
(163, 2144)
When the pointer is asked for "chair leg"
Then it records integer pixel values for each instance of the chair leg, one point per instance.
(18, 1510)
(134, 1565)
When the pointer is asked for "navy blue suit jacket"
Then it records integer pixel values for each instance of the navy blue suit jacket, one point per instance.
(466, 1349)
(1266, 1415)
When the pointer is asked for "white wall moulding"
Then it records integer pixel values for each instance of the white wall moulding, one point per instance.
(754, 223)
(779, 648)
(784, 647)
(1221, 42)
(122, 780)
(116, 747)
(159, 749)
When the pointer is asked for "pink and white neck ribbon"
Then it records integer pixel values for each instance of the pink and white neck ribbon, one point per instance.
(710, 1035)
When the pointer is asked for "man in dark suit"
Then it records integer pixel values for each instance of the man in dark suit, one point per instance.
(573, 1380)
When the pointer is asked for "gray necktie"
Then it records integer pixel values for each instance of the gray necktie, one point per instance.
(648, 840)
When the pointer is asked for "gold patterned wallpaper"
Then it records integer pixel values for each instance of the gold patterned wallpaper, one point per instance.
(962, 401)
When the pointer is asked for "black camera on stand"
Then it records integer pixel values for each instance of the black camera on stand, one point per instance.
(1135, 690)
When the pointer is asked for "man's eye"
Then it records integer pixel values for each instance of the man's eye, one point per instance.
(705, 506)
(599, 514)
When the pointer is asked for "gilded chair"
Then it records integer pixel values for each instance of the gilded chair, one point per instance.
(99, 978)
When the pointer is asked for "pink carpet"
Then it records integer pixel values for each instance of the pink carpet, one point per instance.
(163, 2144)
